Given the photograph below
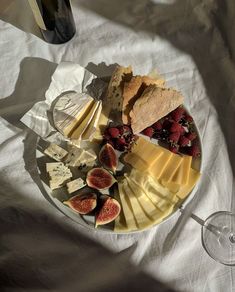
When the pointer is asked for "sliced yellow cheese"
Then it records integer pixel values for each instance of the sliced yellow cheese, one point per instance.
(127, 209)
(171, 167)
(141, 218)
(102, 124)
(136, 161)
(181, 176)
(120, 223)
(146, 204)
(87, 134)
(194, 175)
(157, 167)
(77, 119)
(84, 121)
(173, 187)
(144, 150)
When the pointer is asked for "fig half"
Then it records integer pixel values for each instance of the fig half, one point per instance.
(109, 210)
(100, 179)
(82, 203)
(108, 157)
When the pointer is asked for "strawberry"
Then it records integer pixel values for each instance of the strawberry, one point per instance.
(157, 126)
(120, 144)
(174, 148)
(113, 132)
(175, 127)
(148, 132)
(183, 141)
(191, 136)
(174, 137)
(193, 150)
(177, 114)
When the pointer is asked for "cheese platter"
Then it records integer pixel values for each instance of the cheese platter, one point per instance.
(128, 160)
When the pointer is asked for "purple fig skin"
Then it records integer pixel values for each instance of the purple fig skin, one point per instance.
(108, 157)
(82, 204)
(99, 178)
(108, 212)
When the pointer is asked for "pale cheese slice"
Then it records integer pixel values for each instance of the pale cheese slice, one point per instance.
(120, 223)
(91, 128)
(141, 218)
(194, 175)
(173, 187)
(102, 123)
(127, 210)
(181, 176)
(171, 167)
(84, 121)
(52, 165)
(147, 205)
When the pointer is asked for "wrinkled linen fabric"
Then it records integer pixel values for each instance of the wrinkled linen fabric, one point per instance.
(191, 44)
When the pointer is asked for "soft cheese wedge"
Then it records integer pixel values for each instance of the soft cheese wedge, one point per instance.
(94, 123)
(69, 111)
(85, 120)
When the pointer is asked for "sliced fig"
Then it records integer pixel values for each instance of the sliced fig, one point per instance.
(108, 157)
(82, 203)
(99, 178)
(109, 210)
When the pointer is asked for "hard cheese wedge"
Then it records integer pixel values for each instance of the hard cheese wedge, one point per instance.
(85, 120)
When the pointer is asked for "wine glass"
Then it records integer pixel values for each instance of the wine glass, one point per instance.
(218, 236)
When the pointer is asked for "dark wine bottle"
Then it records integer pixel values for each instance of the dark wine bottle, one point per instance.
(55, 19)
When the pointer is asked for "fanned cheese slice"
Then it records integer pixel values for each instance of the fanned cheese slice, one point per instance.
(143, 154)
(181, 176)
(141, 218)
(147, 205)
(157, 167)
(120, 223)
(173, 187)
(85, 120)
(171, 167)
(194, 175)
(127, 210)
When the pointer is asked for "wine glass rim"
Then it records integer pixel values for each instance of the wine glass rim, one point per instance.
(203, 243)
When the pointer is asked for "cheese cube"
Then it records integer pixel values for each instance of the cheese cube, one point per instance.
(56, 152)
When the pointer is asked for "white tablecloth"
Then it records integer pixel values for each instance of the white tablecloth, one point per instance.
(190, 43)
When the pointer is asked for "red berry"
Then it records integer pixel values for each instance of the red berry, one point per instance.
(191, 136)
(124, 129)
(114, 132)
(183, 141)
(175, 127)
(157, 126)
(174, 148)
(148, 132)
(166, 124)
(177, 114)
(174, 137)
(188, 118)
(121, 141)
(193, 151)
